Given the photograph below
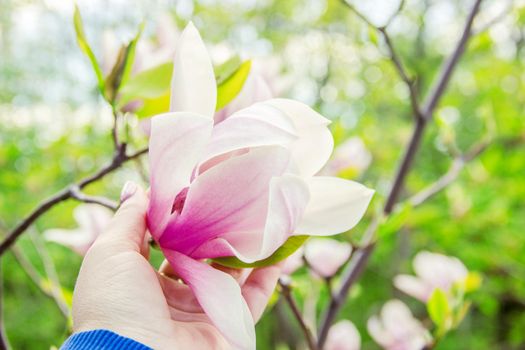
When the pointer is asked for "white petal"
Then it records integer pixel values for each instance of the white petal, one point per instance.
(326, 256)
(343, 336)
(193, 86)
(335, 206)
(413, 286)
(315, 144)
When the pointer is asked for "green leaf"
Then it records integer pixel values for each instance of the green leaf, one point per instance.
(288, 248)
(121, 70)
(395, 221)
(231, 87)
(226, 70)
(438, 308)
(84, 46)
(150, 83)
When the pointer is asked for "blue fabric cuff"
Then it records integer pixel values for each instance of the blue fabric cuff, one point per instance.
(101, 339)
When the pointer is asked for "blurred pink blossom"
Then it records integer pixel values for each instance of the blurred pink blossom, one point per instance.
(240, 187)
(432, 271)
(343, 336)
(326, 255)
(92, 219)
(351, 155)
(293, 262)
(397, 329)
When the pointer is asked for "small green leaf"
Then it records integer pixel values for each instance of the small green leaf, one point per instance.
(130, 57)
(151, 83)
(226, 70)
(231, 87)
(84, 46)
(395, 221)
(438, 308)
(288, 248)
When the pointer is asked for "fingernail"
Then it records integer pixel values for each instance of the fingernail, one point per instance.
(128, 190)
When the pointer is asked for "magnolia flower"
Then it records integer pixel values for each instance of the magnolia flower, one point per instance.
(92, 219)
(397, 329)
(326, 256)
(343, 336)
(432, 271)
(351, 155)
(238, 188)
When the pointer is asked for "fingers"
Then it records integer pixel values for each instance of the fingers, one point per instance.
(127, 229)
(259, 287)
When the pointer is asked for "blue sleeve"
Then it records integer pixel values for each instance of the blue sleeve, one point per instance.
(101, 339)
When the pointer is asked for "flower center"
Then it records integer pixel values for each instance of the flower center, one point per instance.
(179, 201)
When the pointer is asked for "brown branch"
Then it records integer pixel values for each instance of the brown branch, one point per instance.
(361, 257)
(393, 55)
(80, 196)
(450, 176)
(119, 158)
(287, 293)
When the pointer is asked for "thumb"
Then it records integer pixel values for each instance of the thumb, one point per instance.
(128, 227)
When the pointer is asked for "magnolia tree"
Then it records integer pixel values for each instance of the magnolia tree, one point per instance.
(241, 179)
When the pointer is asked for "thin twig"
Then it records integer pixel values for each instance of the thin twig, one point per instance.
(51, 272)
(287, 293)
(119, 158)
(77, 194)
(361, 257)
(393, 55)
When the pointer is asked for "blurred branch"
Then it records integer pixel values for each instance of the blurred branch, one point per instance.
(361, 257)
(450, 176)
(80, 196)
(35, 277)
(496, 19)
(393, 55)
(287, 293)
(52, 275)
(4, 343)
(118, 160)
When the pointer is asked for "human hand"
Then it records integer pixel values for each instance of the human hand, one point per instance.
(117, 289)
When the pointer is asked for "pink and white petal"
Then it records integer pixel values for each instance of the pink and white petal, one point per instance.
(193, 86)
(255, 90)
(314, 146)
(398, 319)
(288, 197)
(336, 205)
(175, 146)
(77, 240)
(257, 125)
(378, 332)
(92, 218)
(220, 297)
(326, 256)
(439, 270)
(413, 286)
(343, 336)
(230, 198)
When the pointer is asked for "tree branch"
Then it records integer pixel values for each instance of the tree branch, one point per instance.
(287, 293)
(119, 158)
(361, 257)
(80, 196)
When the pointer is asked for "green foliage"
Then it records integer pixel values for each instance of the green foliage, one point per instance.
(84, 46)
(439, 310)
(231, 86)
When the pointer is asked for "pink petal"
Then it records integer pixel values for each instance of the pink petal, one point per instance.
(336, 205)
(257, 125)
(254, 90)
(351, 154)
(230, 198)
(193, 86)
(293, 262)
(220, 297)
(439, 270)
(176, 143)
(343, 336)
(288, 198)
(326, 256)
(315, 144)
(413, 286)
